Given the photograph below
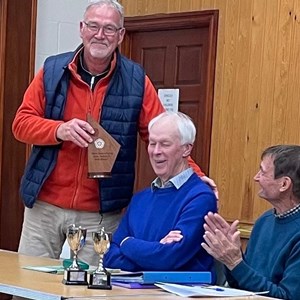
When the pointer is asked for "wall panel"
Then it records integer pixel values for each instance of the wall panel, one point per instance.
(16, 61)
(257, 87)
(294, 79)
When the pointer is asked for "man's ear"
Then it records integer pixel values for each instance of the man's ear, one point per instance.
(285, 184)
(121, 36)
(187, 150)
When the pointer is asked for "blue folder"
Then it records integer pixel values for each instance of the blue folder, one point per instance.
(134, 285)
(150, 277)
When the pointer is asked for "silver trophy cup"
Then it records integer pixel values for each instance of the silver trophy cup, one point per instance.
(101, 278)
(74, 275)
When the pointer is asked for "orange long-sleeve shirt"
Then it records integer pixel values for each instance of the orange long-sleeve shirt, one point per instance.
(68, 185)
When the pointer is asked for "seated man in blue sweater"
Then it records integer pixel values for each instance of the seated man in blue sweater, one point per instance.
(272, 258)
(163, 224)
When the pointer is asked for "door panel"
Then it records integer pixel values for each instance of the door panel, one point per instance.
(17, 45)
(177, 54)
(18, 23)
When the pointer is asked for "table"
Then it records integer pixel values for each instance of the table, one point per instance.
(15, 280)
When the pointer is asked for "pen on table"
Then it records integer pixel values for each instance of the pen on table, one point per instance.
(218, 289)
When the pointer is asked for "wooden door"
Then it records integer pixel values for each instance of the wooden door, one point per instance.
(17, 45)
(177, 51)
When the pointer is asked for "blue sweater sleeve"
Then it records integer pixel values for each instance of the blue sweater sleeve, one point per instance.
(114, 258)
(245, 277)
(272, 258)
(152, 255)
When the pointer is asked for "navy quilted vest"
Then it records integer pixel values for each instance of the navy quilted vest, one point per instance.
(120, 116)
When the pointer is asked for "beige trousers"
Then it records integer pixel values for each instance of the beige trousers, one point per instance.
(45, 226)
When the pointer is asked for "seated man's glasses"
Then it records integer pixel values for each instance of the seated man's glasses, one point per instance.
(107, 29)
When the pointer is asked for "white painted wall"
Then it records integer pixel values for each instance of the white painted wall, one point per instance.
(57, 27)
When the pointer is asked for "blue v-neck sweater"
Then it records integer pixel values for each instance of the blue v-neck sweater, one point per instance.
(151, 215)
(272, 258)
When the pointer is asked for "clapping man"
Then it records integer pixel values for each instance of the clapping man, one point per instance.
(272, 258)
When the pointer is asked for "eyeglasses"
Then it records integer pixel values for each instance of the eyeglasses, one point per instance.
(107, 29)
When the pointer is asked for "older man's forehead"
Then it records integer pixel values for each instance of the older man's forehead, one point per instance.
(267, 163)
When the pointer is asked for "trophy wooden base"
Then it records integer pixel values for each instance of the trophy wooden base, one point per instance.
(100, 281)
(75, 277)
(99, 175)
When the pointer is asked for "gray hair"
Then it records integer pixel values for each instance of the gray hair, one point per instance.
(184, 123)
(113, 3)
(286, 159)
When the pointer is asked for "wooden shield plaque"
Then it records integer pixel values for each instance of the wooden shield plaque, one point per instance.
(102, 152)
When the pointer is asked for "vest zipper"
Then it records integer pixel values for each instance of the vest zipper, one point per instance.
(92, 82)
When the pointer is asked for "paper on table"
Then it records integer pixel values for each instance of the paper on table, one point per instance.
(203, 291)
(52, 269)
(46, 269)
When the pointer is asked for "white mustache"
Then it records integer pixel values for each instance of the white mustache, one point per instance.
(101, 42)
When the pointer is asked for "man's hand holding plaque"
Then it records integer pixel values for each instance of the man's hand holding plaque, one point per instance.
(102, 152)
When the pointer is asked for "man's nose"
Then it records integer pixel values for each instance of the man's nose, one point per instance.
(157, 149)
(100, 32)
(256, 176)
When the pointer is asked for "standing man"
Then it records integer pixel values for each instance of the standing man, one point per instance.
(96, 80)
(272, 258)
(163, 224)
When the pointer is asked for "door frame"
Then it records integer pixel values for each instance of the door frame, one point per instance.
(174, 21)
(17, 53)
